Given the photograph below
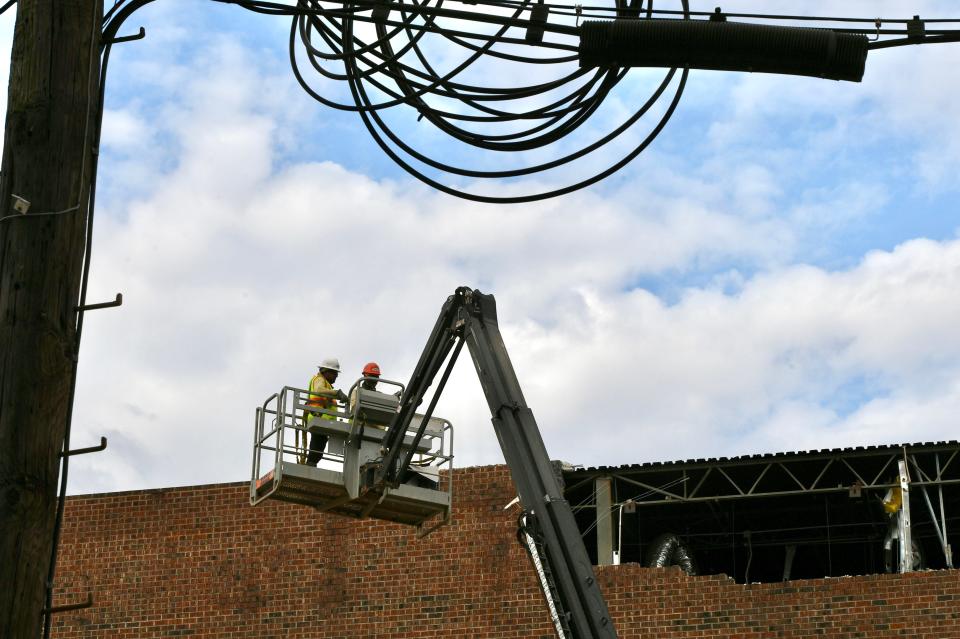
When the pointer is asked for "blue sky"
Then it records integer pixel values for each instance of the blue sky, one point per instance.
(778, 271)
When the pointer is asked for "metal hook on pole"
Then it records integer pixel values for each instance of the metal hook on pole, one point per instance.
(84, 451)
(130, 38)
(77, 606)
(92, 307)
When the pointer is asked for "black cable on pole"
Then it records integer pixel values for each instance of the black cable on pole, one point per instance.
(904, 42)
(81, 304)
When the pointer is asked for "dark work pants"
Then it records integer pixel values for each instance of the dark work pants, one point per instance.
(317, 443)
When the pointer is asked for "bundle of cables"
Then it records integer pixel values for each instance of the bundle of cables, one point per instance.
(497, 96)
(449, 64)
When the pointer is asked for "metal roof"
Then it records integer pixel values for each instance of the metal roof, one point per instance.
(852, 451)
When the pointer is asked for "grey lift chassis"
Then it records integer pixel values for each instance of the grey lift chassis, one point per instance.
(566, 574)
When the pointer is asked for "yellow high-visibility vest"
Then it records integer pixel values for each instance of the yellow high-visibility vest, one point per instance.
(319, 383)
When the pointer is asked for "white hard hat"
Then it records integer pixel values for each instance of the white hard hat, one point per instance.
(331, 363)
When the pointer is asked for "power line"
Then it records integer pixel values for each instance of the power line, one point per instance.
(448, 62)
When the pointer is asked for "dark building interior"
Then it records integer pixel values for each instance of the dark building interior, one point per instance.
(775, 517)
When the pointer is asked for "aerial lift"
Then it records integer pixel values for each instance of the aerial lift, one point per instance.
(386, 473)
(286, 420)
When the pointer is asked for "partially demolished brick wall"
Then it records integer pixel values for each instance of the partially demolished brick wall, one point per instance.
(201, 562)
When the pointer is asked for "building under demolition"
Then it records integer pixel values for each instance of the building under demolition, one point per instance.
(777, 517)
(200, 562)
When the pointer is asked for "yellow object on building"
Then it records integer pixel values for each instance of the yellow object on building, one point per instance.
(893, 500)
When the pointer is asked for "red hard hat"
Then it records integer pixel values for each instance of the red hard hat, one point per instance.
(371, 370)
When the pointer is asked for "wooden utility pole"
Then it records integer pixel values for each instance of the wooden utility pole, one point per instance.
(48, 160)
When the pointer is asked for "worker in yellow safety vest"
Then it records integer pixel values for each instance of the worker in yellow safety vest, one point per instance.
(324, 396)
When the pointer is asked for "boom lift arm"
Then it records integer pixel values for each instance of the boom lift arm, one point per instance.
(470, 317)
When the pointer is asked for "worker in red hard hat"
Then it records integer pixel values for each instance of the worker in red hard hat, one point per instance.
(323, 396)
(371, 373)
(368, 381)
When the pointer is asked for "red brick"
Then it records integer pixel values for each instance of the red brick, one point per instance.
(200, 562)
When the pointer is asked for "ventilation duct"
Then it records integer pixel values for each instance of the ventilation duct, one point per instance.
(669, 550)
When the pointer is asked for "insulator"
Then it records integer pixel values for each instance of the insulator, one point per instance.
(723, 46)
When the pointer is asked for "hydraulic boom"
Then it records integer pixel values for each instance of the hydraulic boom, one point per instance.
(470, 317)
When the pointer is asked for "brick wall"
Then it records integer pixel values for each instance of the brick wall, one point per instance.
(200, 562)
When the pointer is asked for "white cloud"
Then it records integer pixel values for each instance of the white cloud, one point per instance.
(238, 277)
(123, 129)
(242, 266)
(774, 366)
